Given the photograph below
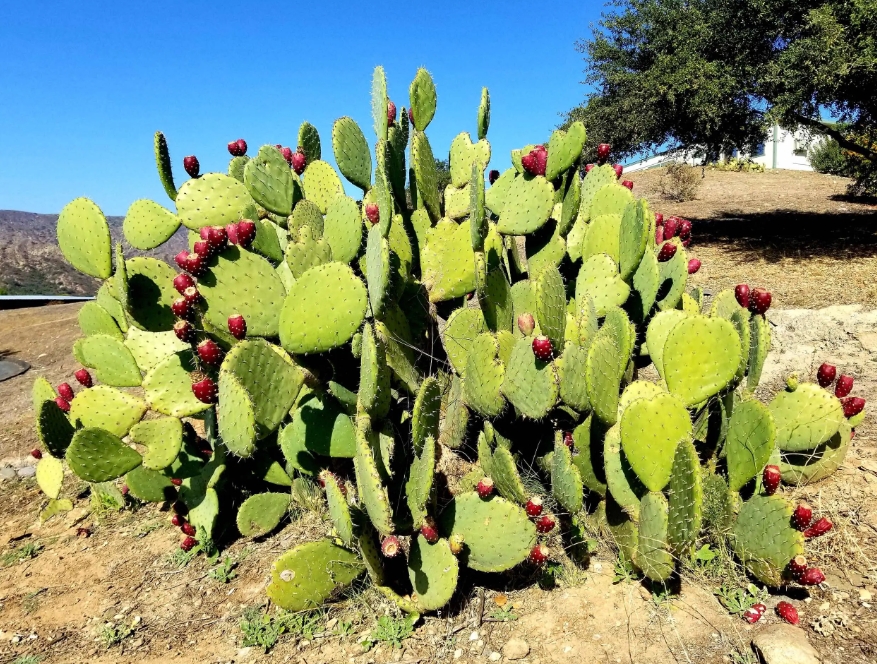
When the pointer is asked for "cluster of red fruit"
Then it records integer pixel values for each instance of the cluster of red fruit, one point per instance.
(65, 395)
(784, 610)
(852, 405)
(297, 160)
(372, 213)
(756, 300)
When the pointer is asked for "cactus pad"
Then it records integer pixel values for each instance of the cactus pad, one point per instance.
(214, 199)
(425, 172)
(111, 360)
(759, 334)
(106, 408)
(464, 154)
(339, 511)
(805, 418)
(422, 96)
(455, 415)
(150, 348)
(800, 468)
(352, 153)
(652, 555)
(268, 178)
(599, 278)
(163, 163)
(673, 276)
(50, 476)
(447, 261)
(236, 416)
(427, 410)
(374, 379)
(371, 489)
(150, 486)
(504, 472)
(84, 238)
(634, 236)
(528, 204)
(94, 319)
(551, 306)
(763, 538)
(418, 488)
(168, 386)
(566, 481)
(96, 455)
(321, 184)
(484, 377)
(310, 574)
(463, 326)
(261, 513)
(433, 570)
(564, 149)
(342, 229)
(603, 371)
(54, 430)
(309, 140)
(494, 198)
(530, 384)
(685, 494)
(603, 237)
(148, 225)
(749, 442)
(321, 427)
(163, 438)
(150, 293)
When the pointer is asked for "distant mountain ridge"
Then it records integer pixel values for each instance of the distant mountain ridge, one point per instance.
(32, 264)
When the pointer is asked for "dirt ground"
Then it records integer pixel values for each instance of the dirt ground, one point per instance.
(68, 594)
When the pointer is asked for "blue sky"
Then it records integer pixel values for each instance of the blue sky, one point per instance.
(85, 85)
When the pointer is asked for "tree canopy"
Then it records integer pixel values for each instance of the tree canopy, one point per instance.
(717, 73)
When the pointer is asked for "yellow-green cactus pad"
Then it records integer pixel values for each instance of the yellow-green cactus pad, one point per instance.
(106, 408)
(352, 153)
(530, 384)
(764, 539)
(599, 279)
(462, 156)
(261, 513)
(484, 377)
(311, 573)
(168, 386)
(805, 418)
(163, 439)
(269, 180)
(214, 199)
(150, 294)
(422, 96)
(564, 149)
(148, 225)
(50, 476)
(447, 261)
(94, 319)
(342, 229)
(321, 184)
(433, 571)
(527, 206)
(652, 554)
(96, 455)
(54, 430)
(150, 348)
(463, 326)
(749, 443)
(111, 360)
(84, 238)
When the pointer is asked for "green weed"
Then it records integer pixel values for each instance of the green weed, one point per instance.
(389, 630)
(24, 552)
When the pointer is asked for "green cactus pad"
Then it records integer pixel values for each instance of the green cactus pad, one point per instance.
(425, 172)
(163, 163)
(106, 408)
(163, 438)
(309, 140)
(572, 200)
(374, 379)
(651, 429)
(306, 213)
(551, 306)
(685, 494)
(50, 476)
(339, 511)
(323, 309)
(527, 206)
(464, 154)
(306, 251)
(322, 427)
(96, 455)
(422, 96)
(805, 418)
(657, 333)
(455, 415)
(564, 149)
(463, 326)
(41, 392)
(457, 201)
(94, 319)
(484, 377)
(111, 360)
(321, 184)
(763, 538)
(634, 237)
(352, 153)
(150, 293)
(603, 371)
(268, 178)
(236, 416)
(107, 299)
(599, 278)
(674, 276)
(504, 472)
(603, 237)
(54, 430)
(497, 535)
(566, 481)
(808, 466)
(427, 412)
(236, 166)
(571, 368)
(759, 331)
(150, 348)
(168, 386)
(377, 270)
(418, 488)
(447, 261)
(530, 384)
(148, 225)
(483, 114)
(268, 239)
(261, 513)
(372, 491)
(622, 482)
(379, 103)
(640, 389)
(342, 229)
(588, 438)
(495, 197)
(295, 452)
(399, 350)
(485, 451)
(652, 555)
(150, 486)
(623, 529)
(84, 238)
(498, 303)
(700, 357)
(433, 571)
(214, 199)
(749, 443)
(310, 574)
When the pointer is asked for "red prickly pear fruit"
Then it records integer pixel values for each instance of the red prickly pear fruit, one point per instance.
(176, 481)
(177, 520)
(237, 326)
(493, 176)
(287, 154)
(752, 615)
(693, 266)
(184, 331)
(761, 608)
(485, 487)
(668, 250)
(181, 258)
(188, 529)
(535, 161)
(568, 440)
(429, 530)
(826, 374)
(534, 507)
(124, 489)
(538, 554)
(63, 404)
(770, 479)
(204, 232)
(204, 388)
(242, 147)
(628, 184)
(217, 238)
(759, 301)
(741, 294)
(797, 567)
(619, 169)
(686, 242)
(589, 168)
(526, 324)
(66, 391)
(191, 295)
(231, 232)
(455, 542)
(684, 228)
(195, 265)
(181, 308)
(844, 386)
(83, 377)
(819, 528)
(670, 227)
(190, 163)
(542, 348)
(545, 524)
(237, 148)
(391, 111)
(659, 234)
(812, 577)
(246, 232)
(188, 543)
(852, 406)
(210, 353)
(36, 454)
(390, 546)
(788, 613)
(202, 248)
(299, 161)
(182, 282)
(802, 516)
(372, 213)
(411, 115)
(603, 151)
(659, 219)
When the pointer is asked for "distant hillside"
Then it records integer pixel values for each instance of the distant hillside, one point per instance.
(32, 263)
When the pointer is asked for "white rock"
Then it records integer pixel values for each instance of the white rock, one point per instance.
(784, 644)
(515, 649)
(495, 657)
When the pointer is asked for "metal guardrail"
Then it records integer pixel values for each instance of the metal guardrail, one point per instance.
(22, 301)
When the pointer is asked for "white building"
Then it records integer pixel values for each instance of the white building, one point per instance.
(783, 149)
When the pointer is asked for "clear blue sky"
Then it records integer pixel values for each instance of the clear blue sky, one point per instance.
(84, 85)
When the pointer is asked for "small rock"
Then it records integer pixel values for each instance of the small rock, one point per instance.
(27, 471)
(458, 653)
(7, 473)
(474, 636)
(244, 653)
(495, 657)
(784, 644)
(515, 649)
(864, 595)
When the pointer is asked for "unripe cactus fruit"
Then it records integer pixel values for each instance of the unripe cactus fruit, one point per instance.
(770, 478)
(792, 381)
(534, 162)
(429, 530)
(802, 516)
(63, 404)
(391, 111)
(670, 227)
(390, 546)
(184, 331)
(526, 324)
(741, 293)
(534, 507)
(493, 176)
(819, 528)
(237, 326)
(668, 250)
(181, 307)
(812, 577)
(628, 184)
(191, 165)
(182, 282)
(538, 554)
(36, 454)
(191, 295)
(204, 388)
(195, 265)
(542, 348)
(545, 524)
(83, 377)
(66, 391)
(455, 542)
(299, 161)
(177, 520)
(188, 543)
(852, 406)
(844, 386)
(485, 487)
(210, 353)
(797, 567)
(693, 265)
(202, 248)
(181, 258)
(788, 613)
(619, 169)
(603, 151)
(372, 213)
(217, 238)
(759, 301)
(825, 375)
(246, 232)
(188, 529)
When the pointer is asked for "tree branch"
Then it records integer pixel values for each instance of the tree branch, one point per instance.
(836, 135)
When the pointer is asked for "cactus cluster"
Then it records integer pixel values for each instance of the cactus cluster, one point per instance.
(342, 346)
